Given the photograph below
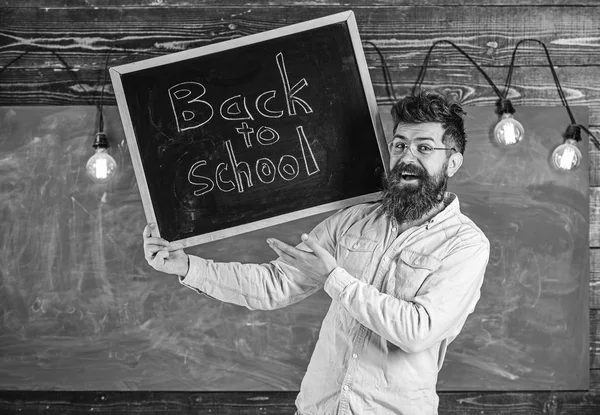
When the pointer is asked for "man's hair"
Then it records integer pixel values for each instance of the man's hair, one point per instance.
(433, 107)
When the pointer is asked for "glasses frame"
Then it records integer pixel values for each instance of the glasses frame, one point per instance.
(409, 147)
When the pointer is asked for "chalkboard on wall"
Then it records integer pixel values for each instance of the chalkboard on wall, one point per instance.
(252, 132)
(82, 310)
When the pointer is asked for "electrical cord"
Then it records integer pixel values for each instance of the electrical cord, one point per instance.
(387, 78)
(574, 133)
(60, 58)
(421, 75)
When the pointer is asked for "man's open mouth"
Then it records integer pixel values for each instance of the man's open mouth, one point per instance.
(409, 176)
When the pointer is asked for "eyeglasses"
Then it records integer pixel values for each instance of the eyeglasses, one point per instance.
(417, 149)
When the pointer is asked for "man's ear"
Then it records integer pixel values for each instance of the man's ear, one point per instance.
(454, 163)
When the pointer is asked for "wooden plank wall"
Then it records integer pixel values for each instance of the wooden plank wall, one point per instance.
(83, 32)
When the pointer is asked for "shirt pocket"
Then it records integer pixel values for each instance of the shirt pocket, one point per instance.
(355, 253)
(413, 268)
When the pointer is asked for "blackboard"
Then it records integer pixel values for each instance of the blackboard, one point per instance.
(82, 310)
(254, 131)
(530, 329)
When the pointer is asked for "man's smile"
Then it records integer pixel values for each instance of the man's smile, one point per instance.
(409, 177)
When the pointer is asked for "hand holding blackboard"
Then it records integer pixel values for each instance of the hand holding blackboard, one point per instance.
(163, 255)
(170, 258)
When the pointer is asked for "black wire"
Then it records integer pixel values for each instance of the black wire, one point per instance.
(101, 119)
(13, 61)
(592, 136)
(387, 78)
(561, 93)
(60, 58)
(510, 70)
(421, 75)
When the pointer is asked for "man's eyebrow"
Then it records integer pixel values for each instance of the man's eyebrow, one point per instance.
(401, 137)
(424, 139)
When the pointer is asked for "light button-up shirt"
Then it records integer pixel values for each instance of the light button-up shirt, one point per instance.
(397, 302)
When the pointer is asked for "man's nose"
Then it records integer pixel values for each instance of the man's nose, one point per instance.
(408, 155)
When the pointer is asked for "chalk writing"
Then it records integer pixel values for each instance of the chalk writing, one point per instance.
(266, 140)
(238, 174)
(195, 108)
(246, 131)
(306, 147)
(290, 93)
(262, 103)
(194, 112)
(236, 113)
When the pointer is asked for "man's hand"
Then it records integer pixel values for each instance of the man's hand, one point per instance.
(162, 255)
(317, 264)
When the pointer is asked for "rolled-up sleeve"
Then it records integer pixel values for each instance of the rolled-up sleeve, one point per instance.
(437, 312)
(259, 286)
(255, 286)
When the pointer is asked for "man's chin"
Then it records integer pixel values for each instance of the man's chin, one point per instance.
(410, 182)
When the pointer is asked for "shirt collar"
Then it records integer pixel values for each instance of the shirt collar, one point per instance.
(452, 206)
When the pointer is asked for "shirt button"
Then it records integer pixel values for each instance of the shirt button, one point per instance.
(355, 355)
(346, 387)
(393, 229)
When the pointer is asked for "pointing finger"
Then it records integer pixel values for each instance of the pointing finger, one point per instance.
(283, 256)
(289, 250)
(314, 245)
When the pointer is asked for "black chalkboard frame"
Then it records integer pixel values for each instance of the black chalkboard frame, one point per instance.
(117, 72)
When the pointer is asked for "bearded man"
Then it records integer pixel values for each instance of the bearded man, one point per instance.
(403, 275)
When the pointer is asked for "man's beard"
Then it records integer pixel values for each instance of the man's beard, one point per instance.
(409, 202)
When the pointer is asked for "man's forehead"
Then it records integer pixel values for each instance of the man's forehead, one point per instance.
(411, 131)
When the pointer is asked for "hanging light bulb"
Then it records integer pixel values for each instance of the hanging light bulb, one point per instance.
(508, 131)
(101, 167)
(567, 156)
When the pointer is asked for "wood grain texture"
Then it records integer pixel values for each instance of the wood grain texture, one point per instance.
(299, 3)
(403, 33)
(594, 276)
(594, 344)
(594, 158)
(595, 217)
(530, 87)
(279, 403)
(403, 30)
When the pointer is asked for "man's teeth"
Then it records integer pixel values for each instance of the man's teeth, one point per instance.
(410, 176)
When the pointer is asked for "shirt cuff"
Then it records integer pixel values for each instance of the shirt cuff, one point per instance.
(337, 281)
(194, 278)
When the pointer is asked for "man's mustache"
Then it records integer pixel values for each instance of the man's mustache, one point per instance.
(403, 168)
